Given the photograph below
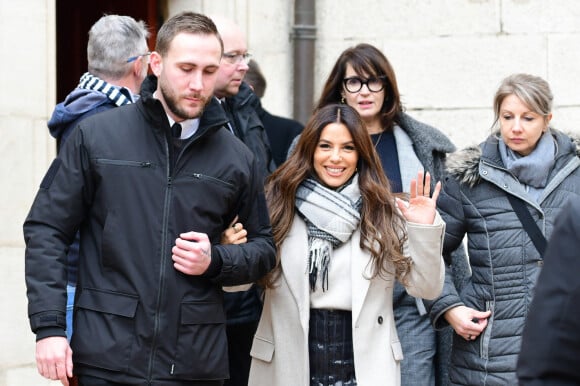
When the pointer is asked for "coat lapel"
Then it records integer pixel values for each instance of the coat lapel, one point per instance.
(295, 249)
(360, 271)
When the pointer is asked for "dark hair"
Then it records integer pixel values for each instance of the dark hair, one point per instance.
(187, 22)
(364, 59)
(382, 227)
(255, 78)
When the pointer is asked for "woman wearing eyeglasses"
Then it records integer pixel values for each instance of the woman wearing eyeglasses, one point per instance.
(364, 79)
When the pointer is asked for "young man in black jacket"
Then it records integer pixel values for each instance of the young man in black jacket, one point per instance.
(151, 191)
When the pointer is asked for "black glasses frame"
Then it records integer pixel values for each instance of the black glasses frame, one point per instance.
(364, 82)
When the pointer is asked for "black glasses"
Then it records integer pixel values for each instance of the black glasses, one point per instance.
(235, 58)
(355, 84)
(133, 58)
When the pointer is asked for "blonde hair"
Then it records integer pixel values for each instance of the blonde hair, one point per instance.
(530, 89)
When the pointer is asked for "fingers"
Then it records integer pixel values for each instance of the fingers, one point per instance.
(436, 191)
(471, 337)
(403, 205)
(413, 189)
(427, 184)
(69, 363)
(194, 236)
(467, 322)
(61, 373)
(422, 185)
(235, 220)
(235, 234)
(53, 360)
(191, 253)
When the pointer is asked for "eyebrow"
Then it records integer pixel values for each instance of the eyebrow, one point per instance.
(329, 141)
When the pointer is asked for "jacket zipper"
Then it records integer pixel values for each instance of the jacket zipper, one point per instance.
(168, 193)
(141, 164)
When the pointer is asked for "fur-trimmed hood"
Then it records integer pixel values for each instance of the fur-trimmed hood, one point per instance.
(464, 165)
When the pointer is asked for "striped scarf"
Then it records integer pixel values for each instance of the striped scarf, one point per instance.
(94, 83)
(331, 216)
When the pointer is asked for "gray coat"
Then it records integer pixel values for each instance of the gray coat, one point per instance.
(504, 262)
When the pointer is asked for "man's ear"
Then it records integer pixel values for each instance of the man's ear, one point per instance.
(155, 63)
(137, 67)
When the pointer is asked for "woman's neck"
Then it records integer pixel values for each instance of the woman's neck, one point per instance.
(374, 126)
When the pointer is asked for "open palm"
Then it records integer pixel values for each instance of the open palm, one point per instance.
(421, 207)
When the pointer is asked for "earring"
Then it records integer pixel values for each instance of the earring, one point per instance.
(342, 100)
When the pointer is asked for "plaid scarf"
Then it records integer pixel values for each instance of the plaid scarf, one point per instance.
(94, 83)
(331, 216)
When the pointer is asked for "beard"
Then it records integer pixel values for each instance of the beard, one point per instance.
(172, 101)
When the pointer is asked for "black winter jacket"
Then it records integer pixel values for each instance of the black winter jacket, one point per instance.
(137, 319)
(246, 306)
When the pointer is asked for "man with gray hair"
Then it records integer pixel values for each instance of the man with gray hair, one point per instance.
(117, 57)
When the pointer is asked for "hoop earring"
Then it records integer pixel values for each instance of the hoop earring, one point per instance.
(342, 100)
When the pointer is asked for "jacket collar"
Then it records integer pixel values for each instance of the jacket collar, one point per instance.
(464, 165)
(426, 138)
(212, 119)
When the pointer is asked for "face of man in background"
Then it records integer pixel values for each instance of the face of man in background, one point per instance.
(233, 66)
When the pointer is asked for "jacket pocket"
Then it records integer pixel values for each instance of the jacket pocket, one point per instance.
(107, 322)
(262, 349)
(201, 351)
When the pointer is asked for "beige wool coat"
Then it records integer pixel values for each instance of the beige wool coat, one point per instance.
(280, 348)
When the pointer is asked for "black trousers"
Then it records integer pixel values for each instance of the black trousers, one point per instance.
(330, 348)
(240, 337)
(87, 380)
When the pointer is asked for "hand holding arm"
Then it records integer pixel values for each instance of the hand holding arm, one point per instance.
(421, 207)
(192, 253)
(234, 234)
(54, 359)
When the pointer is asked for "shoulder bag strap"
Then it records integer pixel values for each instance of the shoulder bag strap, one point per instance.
(528, 223)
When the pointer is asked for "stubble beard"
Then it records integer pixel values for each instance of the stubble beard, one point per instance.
(171, 101)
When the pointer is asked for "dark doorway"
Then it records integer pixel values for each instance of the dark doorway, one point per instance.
(74, 18)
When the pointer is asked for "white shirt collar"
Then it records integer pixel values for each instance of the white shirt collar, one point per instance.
(188, 126)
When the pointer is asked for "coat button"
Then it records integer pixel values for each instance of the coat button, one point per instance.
(380, 320)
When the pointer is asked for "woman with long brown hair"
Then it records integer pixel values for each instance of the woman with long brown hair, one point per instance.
(343, 239)
(363, 78)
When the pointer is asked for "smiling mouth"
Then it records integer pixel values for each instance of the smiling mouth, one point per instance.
(334, 171)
